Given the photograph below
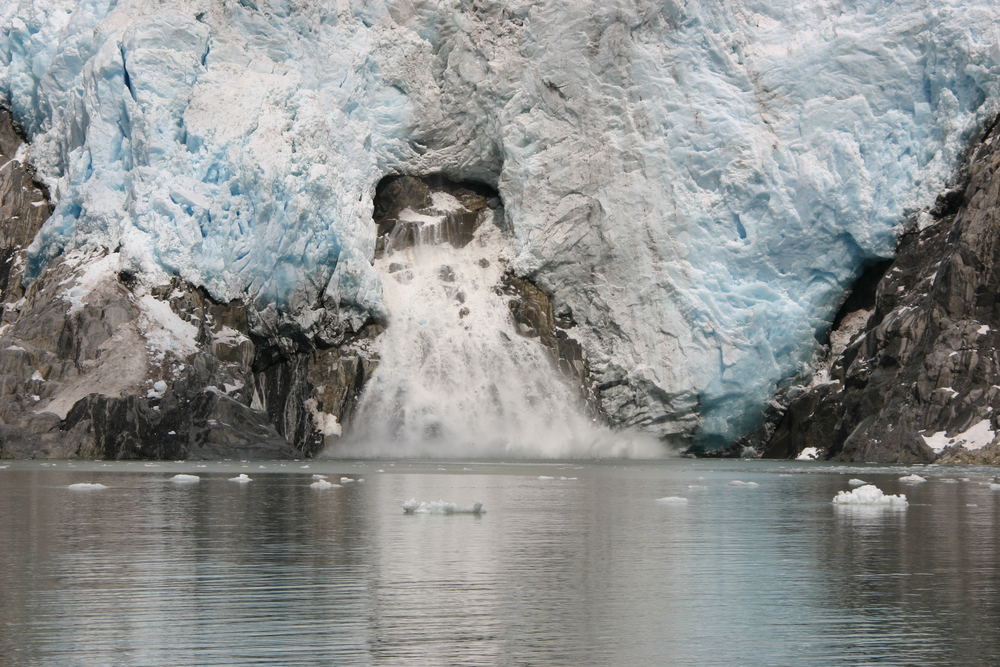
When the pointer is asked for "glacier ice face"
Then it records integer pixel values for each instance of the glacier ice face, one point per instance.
(698, 182)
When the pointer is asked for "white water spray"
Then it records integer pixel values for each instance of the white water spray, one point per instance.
(454, 379)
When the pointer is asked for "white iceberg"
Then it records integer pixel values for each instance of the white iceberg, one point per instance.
(86, 486)
(672, 500)
(242, 478)
(912, 479)
(324, 484)
(854, 481)
(185, 479)
(738, 482)
(414, 506)
(808, 454)
(870, 495)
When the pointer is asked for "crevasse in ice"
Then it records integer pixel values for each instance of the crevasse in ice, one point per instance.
(699, 182)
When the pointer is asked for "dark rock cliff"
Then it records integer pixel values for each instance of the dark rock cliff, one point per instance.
(919, 380)
(94, 364)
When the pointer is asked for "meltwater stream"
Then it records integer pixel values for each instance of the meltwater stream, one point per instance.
(454, 378)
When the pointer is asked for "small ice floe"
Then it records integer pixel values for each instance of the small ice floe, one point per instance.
(869, 495)
(4, 467)
(854, 481)
(971, 505)
(948, 480)
(912, 479)
(242, 478)
(304, 467)
(808, 454)
(324, 484)
(346, 480)
(380, 470)
(317, 476)
(185, 479)
(561, 479)
(86, 486)
(697, 487)
(739, 482)
(672, 500)
(414, 506)
(994, 486)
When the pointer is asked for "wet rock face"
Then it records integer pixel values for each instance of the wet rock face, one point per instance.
(94, 364)
(535, 317)
(407, 210)
(920, 381)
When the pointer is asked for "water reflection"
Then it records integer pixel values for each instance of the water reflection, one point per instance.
(589, 571)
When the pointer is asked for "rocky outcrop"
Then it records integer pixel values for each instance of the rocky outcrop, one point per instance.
(94, 363)
(428, 210)
(535, 317)
(919, 380)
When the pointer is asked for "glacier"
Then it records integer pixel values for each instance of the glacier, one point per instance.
(698, 182)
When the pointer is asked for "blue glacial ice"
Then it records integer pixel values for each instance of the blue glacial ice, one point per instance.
(698, 182)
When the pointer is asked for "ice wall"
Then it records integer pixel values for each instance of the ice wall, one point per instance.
(697, 181)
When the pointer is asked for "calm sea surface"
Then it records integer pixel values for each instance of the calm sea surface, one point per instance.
(583, 571)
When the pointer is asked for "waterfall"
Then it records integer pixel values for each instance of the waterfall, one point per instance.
(454, 378)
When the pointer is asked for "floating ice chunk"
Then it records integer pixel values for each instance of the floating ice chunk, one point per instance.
(414, 506)
(545, 477)
(304, 467)
(808, 454)
(854, 481)
(948, 480)
(737, 482)
(672, 500)
(869, 494)
(86, 486)
(242, 478)
(317, 476)
(346, 480)
(185, 479)
(697, 487)
(324, 484)
(912, 479)
(561, 479)
(994, 487)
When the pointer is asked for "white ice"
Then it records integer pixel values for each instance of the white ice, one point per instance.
(414, 506)
(242, 478)
(86, 486)
(869, 494)
(912, 479)
(185, 479)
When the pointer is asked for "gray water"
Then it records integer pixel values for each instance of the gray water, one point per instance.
(586, 571)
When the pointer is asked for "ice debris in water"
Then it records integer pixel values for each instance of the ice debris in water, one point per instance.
(994, 487)
(324, 484)
(316, 476)
(869, 494)
(912, 479)
(672, 500)
(562, 479)
(854, 481)
(86, 486)
(808, 454)
(185, 479)
(242, 478)
(737, 482)
(346, 480)
(414, 506)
